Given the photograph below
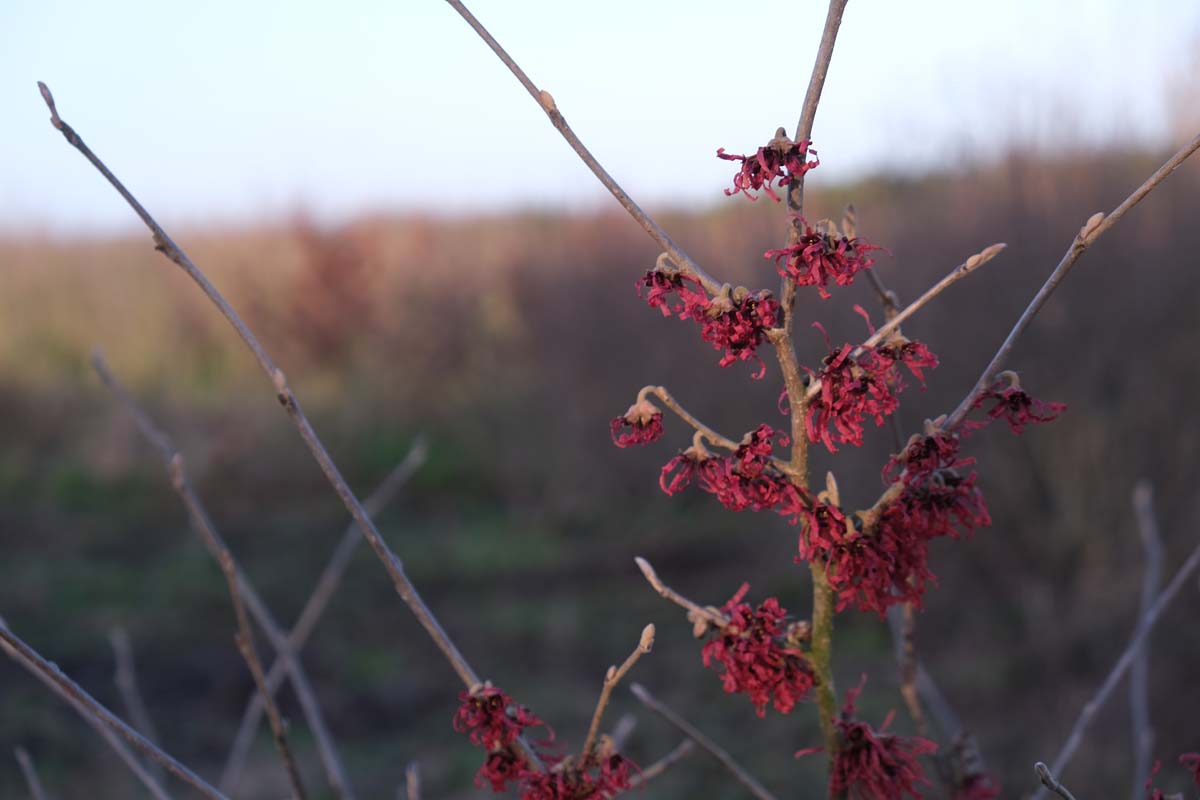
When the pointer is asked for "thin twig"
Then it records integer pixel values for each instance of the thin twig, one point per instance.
(711, 615)
(245, 644)
(412, 781)
(1145, 625)
(203, 526)
(126, 681)
(808, 115)
(622, 731)
(896, 320)
(31, 777)
(688, 730)
(611, 679)
(291, 404)
(546, 101)
(670, 402)
(1050, 782)
(908, 669)
(318, 601)
(663, 764)
(1092, 230)
(1139, 671)
(104, 720)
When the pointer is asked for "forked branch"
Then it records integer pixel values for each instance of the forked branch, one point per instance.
(611, 679)
(690, 731)
(204, 528)
(102, 719)
(1092, 230)
(314, 608)
(546, 101)
(1144, 626)
(291, 405)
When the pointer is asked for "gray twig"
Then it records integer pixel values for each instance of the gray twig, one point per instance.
(115, 730)
(1051, 783)
(1139, 671)
(412, 781)
(1126, 658)
(126, 681)
(682, 750)
(31, 777)
(245, 644)
(204, 528)
(1092, 230)
(318, 601)
(546, 101)
(688, 730)
(291, 405)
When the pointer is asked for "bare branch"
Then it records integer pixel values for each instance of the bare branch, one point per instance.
(127, 686)
(699, 738)
(245, 645)
(696, 612)
(103, 720)
(611, 679)
(651, 772)
(1139, 671)
(808, 115)
(327, 585)
(1145, 625)
(894, 321)
(291, 405)
(1092, 230)
(412, 781)
(1050, 782)
(31, 777)
(203, 526)
(908, 669)
(622, 731)
(546, 101)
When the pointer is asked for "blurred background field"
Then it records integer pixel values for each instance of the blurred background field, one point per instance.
(511, 340)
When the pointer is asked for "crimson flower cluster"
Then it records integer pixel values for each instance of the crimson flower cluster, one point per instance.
(781, 161)
(1190, 761)
(822, 255)
(735, 321)
(1016, 407)
(493, 721)
(747, 479)
(566, 782)
(862, 382)
(872, 764)
(761, 654)
(980, 786)
(887, 565)
(643, 421)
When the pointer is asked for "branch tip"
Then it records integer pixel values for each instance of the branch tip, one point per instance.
(55, 120)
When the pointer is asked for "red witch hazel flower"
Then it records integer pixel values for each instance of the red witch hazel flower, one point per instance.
(570, 783)
(761, 654)
(781, 160)
(883, 561)
(1191, 761)
(736, 320)
(872, 764)
(821, 255)
(1016, 407)
(643, 421)
(859, 383)
(493, 721)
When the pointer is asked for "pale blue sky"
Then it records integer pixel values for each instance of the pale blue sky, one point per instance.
(221, 111)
